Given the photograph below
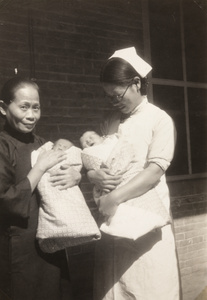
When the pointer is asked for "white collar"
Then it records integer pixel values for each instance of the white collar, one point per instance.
(140, 106)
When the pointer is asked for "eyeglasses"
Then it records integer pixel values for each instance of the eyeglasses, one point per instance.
(118, 98)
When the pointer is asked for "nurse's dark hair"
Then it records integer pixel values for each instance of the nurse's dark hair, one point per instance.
(118, 71)
(13, 84)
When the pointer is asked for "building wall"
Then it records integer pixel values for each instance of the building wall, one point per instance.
(189, 208)
(63, 44)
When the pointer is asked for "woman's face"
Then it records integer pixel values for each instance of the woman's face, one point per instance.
(131, 97)
(23, 112)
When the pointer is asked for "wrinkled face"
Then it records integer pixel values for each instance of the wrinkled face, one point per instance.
(125, 99)
(23, 112)
(62, 144)
(90, 138)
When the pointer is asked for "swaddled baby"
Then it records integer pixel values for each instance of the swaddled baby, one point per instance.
(64, 217)
(136, 216)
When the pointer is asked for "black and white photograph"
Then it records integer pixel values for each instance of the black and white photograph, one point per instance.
(103, 150)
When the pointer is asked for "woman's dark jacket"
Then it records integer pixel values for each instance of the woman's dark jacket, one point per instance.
(25, 272)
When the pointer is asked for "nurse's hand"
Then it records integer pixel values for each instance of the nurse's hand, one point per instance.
(104, 179)
(65, 177)
(107, 206)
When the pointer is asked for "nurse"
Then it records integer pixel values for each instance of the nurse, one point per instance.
(146, 268)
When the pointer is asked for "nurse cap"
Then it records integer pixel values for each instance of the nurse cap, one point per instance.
(130, 55)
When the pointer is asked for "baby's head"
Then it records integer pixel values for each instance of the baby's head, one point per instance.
(90, 138)
(62, 144)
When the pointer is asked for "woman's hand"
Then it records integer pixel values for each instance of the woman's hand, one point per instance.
(47, 159)
(65, 177)
(104, 179)
(107, 205)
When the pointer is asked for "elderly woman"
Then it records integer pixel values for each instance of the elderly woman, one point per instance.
(147, 267)
(26, 273)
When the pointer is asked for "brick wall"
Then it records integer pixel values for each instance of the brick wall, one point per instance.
(189, 208)
(191, 239)
(63, 44)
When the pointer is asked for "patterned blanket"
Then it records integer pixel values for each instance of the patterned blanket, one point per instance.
(64, 217)
(136, 216)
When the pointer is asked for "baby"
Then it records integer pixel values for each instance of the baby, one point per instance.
(96, 148)
(90, 138)
(136, 216)
(62, 144)
(64, 217)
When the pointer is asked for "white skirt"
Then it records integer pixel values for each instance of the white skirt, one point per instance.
(145, 269)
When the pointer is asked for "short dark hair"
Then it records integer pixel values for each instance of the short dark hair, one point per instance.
(118, 71)
(13, 84)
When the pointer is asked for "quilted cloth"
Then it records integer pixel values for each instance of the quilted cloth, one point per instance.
(64, 217)
(137, 216)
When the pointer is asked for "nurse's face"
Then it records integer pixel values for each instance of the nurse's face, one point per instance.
(23, 112)
(125, 99)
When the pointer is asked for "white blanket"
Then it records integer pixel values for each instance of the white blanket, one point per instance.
(64, 217)
(137, 216)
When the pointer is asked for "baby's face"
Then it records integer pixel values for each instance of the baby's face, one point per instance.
(62, 144)
(90, 138)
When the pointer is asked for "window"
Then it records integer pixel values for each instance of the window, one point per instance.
(176, 31)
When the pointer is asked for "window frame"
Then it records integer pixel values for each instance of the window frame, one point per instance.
(180, 83)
